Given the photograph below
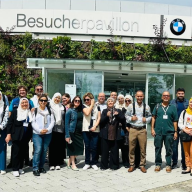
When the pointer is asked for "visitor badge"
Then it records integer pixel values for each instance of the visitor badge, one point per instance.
(25, 124)
(165, 116)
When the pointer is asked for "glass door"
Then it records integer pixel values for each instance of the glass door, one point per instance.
(156, 85)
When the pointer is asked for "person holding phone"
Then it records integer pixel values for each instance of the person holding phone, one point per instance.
(91, 119)
(73, 132)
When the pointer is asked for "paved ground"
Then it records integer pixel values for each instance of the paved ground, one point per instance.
(104, 181)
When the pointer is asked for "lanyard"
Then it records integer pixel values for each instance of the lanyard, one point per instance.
(164, 109)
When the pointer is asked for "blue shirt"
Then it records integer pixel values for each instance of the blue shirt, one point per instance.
(180, 107)
(15, 103)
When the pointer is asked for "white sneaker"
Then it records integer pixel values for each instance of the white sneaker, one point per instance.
(21, 171)
(52, 168)
(58, 168)
(16, 173)
(3, 172)
(86, 167)
(95, 167)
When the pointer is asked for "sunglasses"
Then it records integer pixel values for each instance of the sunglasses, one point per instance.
(77, 101)
(86, 100)
(43, 100)
(128, 101)
(39, 89)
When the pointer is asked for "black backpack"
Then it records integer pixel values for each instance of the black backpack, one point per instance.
(48, 108)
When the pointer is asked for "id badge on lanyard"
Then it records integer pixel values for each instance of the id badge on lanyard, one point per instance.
(165, 116)
(25, 124)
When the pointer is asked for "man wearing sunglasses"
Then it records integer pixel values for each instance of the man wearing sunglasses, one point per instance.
(164, 130)
(38, 93)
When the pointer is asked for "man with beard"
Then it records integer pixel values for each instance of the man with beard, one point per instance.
(180, 103)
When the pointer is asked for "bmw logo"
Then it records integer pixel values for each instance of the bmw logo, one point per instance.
(177, 26)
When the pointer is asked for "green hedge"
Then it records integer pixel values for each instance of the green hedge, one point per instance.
(14, 49)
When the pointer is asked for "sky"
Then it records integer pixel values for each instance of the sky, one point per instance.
(172, 2)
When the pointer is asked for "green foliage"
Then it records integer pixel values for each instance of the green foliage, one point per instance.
(14, 49)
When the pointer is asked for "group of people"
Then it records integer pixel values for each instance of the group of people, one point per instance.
(100, 128)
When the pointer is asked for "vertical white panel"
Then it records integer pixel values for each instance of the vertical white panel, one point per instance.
(11, 4)
(33, 4)
(107, 5)
(83, 5)
(132, 7)
(58, 4)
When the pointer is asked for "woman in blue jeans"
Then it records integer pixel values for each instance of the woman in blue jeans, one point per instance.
(4, 114)
(42, 123)
(91, 119)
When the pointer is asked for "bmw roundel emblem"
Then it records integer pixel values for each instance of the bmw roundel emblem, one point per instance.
(177, 26)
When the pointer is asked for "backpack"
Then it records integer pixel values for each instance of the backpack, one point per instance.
(48, 108)
(144, 112)
(157, 107)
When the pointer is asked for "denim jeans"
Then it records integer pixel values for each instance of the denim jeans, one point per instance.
(3, 149)
(90, 140)
(41, 143)
(175, 151)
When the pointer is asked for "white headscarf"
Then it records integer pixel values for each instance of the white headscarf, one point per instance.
(22, 114)
(118, 105)
(130, 98)
(1, 100)
(56, 107)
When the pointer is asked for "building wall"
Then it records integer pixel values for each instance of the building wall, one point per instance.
(99, 5)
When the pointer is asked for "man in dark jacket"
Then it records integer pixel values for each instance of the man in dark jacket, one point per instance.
(180, 103)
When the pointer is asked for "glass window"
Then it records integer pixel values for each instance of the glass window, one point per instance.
(56, 80)
(88, 81)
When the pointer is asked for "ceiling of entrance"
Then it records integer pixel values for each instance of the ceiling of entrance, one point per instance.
(123, 77)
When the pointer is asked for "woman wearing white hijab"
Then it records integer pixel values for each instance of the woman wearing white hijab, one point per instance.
(4, 114)
(19, 130)
(57, 144)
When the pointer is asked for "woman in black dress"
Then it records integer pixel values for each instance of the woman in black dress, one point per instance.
(73, 132)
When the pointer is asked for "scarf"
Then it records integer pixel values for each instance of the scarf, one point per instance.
(111, 117)
(23, 114)
(189, 110)
(1, 100)
(56, 109)
(44, 114)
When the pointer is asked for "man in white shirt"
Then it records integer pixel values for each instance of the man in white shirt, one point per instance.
(101, 101)
(38, 93)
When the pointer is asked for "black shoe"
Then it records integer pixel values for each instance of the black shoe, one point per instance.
(174, 166)
(184, 167)
(42, 170)
(9, 166)
(126, 165)
(36, 173)
(185, 172)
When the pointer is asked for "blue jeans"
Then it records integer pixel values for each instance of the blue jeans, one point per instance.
(3, 149)
(41, 143)
(90, 140)
(175, 151)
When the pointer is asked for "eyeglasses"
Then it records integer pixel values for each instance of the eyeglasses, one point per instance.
(43, 100)
(77, 101)
(166, 95)
(86, 100)
(128, 101)
(39, 89)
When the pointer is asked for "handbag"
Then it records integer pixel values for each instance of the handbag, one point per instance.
(185, 137)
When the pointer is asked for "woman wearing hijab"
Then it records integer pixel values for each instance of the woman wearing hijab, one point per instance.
(42, 123)
(4, 114)
(128, 101)
(185, 124)
(123, 143)
(19, 131)
(57, 145)
(110, 133)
